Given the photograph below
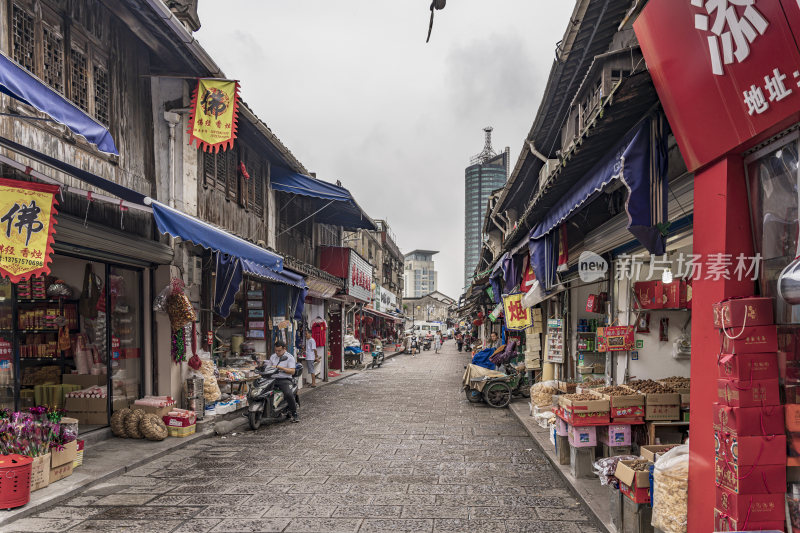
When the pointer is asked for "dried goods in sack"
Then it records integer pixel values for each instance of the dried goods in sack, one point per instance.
(542, 393)
(132, 423)
(670, 490)
(152, 427)
(118, 423)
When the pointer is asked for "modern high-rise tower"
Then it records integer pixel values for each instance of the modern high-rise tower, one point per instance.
(487, 171)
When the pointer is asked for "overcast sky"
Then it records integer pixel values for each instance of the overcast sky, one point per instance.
(353, 90)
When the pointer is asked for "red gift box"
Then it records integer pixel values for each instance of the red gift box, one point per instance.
(180, 421)
(580, 418)
(748, 421)
(650, 294)
(748, 366)
(675, 294)
(761, 393)
(756, 339)
(754, 507)
(724, 522)
(751, 311)
(750, 479)
(635, 494)
(743, 451)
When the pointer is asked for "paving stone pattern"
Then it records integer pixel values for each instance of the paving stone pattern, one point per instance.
(396, 449)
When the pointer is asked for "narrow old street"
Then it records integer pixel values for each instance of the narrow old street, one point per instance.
(395, 449)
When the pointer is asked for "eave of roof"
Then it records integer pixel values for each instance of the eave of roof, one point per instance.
(627, 104)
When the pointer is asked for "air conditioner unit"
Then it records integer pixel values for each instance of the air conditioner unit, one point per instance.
(545, 172)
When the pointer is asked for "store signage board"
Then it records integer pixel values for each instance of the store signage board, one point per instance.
(615, 339)
(517, 316)
(359, 278)
(554, 349)
(27, 228)
(723, 76)
(385, 301)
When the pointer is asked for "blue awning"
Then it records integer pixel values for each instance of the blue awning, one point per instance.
(337, 208)
(173, 222)
(285, 277)
(18, 83)
(640, 169)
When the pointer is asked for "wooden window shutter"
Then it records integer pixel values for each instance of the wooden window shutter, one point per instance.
(231, 162)
(209, 169)
(259, 182)
(254, 171)
(221, 171)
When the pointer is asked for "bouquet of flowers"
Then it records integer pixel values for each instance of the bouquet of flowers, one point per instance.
(23, 434)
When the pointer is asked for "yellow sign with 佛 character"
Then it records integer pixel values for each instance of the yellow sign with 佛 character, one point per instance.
(517, 316)
(215, 109)
(27, 228)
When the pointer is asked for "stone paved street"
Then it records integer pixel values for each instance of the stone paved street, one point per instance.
(395, 449)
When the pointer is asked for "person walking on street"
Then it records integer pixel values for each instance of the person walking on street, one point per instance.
(459, 340)
(437, 342)
(311, 356)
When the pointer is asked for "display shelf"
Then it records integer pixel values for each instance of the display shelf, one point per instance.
(45, 301)
(586, 332)
(34, 359)
(661, 309)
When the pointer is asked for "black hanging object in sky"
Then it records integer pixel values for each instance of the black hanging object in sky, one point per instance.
(435, 4)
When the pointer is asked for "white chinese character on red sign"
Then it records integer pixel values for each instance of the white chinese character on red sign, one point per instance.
(774, 84)
(754, 98)
(735, 32)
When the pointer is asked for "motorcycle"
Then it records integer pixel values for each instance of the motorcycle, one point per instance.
(267, 400)
(377, 358)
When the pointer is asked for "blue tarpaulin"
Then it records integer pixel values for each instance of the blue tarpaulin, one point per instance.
(337, 207)
(173, 222)
(284, 276)
(630, 162)
(18, 83)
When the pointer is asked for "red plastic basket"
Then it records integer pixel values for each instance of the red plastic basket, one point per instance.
(15, 481)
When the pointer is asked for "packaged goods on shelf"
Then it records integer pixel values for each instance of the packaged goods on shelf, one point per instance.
(748, 366)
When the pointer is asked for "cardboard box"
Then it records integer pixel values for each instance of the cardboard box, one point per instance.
(761, 393)
(60, 472)
(654, 451)
(748, 366)
(582, 436)
(615, 435)
(751, 311)
(562, 428)
(84, 380)
(685, 400)
(182, 422)
(40, 472)
(758, 507)
(67, 455)
(724, 522)
(633, 484)
(756, 339)
(750, 479)
(578, 412)
(650, 294)
(748, 421)
(160, 411)
(675, 294)
(666, 406)
(626, 407)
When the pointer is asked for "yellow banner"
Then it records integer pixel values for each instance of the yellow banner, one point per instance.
(215, 110)
(27, 226)
(517, 316)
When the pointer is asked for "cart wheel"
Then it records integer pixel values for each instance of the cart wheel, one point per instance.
(474, 396)
(497, 394)
(525, 391)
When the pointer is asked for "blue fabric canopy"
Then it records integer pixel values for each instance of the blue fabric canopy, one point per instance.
(173, 222)
(630, 162)
(18, 83)
(285, 277)
(339, 207)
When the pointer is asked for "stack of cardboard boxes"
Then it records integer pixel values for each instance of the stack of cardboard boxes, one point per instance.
(750, 462)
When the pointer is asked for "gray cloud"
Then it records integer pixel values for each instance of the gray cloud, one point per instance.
(353, 90)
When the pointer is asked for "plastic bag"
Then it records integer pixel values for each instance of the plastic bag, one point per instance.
(670, 490)
(542, 393)
(160, 302)
(607, 466)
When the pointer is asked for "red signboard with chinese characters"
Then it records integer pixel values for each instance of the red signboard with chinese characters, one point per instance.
(359, 279)
(615, 339)
(725, 71)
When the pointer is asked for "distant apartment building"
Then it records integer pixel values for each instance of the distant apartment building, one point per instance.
(419, 275)
(487, 172)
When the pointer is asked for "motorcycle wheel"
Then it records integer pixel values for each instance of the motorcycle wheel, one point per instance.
(497, 394)
(474, 396)
(254, 419)
(374, 363)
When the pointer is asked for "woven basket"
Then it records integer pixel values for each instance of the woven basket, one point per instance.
(152, 427)
(118, 423)
(132, 424)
